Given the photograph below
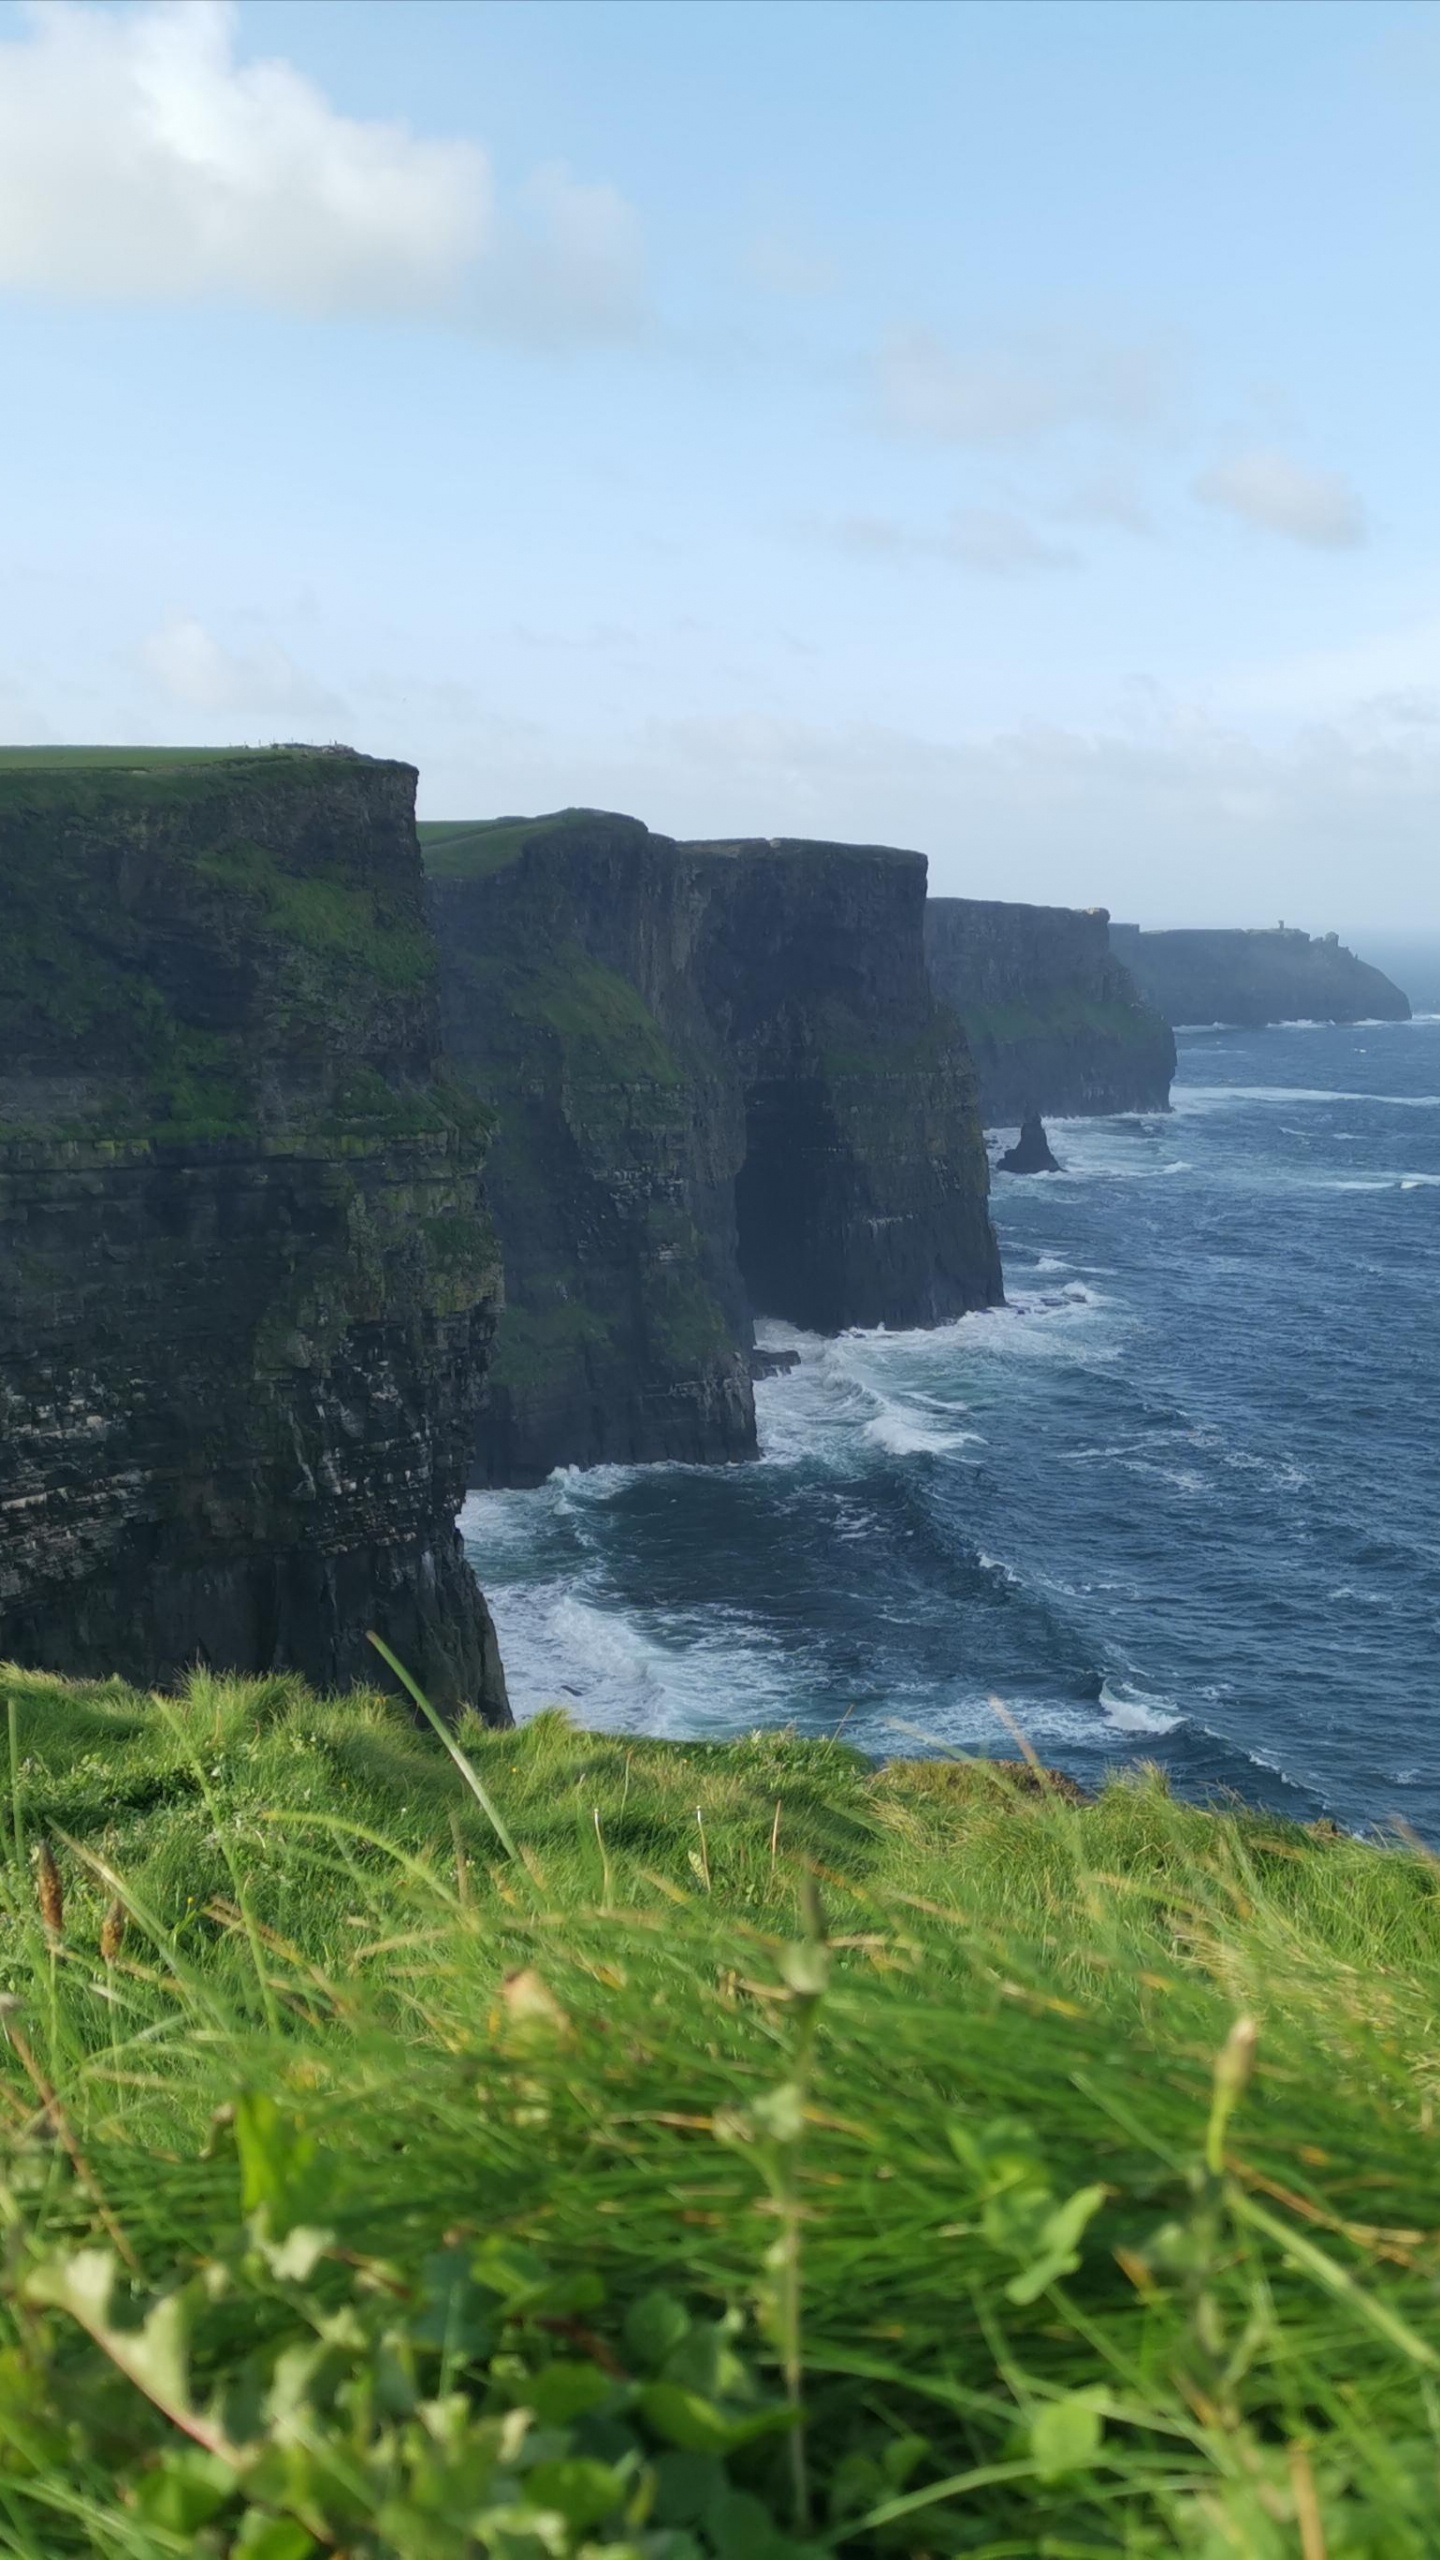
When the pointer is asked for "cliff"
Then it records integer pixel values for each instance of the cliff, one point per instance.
(1256, 977)
(1054, 1020)
(722, 1086)
(246, 1282)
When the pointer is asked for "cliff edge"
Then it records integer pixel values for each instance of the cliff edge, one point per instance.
(1254, 978)
(1054, 1019)
(722, 1087)
(246, 1279)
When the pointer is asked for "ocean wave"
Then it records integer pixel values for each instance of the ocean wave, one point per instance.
(1375, 1182)
(1003, 1572)
(905, 1433)
(1205, 1098)
(1131, 1710)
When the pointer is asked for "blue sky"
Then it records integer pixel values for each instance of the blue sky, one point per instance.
(1005, 429)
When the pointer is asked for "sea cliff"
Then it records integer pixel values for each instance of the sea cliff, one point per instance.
(1252, 978)
(722, 1087)
(246, 1278)
(1054, 1019)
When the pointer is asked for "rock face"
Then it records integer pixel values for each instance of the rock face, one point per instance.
(246, 1279)
(722, 1086)
(1054, 1019)
(1031, 1151)
(1255, 978)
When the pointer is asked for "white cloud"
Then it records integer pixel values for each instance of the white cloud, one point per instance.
(999, 542)
(1104, 497)
(995, 541)
(1190, 823)
(190, 667)
(569, 263)
(783, 262)
(1268, 489)
(1019, 389)
(141, 161)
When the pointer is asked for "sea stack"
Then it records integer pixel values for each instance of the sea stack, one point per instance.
(1031, 1151)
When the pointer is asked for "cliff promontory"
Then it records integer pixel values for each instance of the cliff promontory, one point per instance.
(1252, 978)
(722, 1086)
(246, 1281)
(1054, 1019)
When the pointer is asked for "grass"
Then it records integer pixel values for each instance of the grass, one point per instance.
(673, 2150)
(473, 848)
(1064, 1016)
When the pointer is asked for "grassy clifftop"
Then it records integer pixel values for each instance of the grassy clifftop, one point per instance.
(695, 2153)
(178, 921)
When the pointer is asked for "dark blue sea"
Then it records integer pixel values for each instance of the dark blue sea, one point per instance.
(1179, 1500)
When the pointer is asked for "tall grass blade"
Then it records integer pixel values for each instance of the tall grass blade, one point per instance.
(465, 1766)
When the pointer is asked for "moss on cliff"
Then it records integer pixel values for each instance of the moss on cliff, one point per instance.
(466, 849)
(111, 870)
(1063, 1016)
(246, 1277)
(342, 923)
(534, 1343)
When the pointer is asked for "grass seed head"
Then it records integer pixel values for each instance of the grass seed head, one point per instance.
(49, 1890)
(112, 1931)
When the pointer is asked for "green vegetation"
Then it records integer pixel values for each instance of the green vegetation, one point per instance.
(471, 849)
(604, 1027)
(577, 2145)
(536, 1345)
(345, 923)
(1063, 1016)
(124, 759)
(141, 912)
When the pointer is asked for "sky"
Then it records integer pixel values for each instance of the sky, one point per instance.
(1008, 430)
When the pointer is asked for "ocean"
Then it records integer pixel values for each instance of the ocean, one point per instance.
(1178, 1501)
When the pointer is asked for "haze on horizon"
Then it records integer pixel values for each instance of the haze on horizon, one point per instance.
(1007, 431)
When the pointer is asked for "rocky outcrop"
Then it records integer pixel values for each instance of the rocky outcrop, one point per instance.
(722, 1086)
(1252, 978)
(1054, 1020)
(1031, 1151)
(246, 1280)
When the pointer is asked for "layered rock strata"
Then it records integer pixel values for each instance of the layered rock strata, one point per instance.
(722, 1086)
(1254, 978)
(1054, 1019)
(246, 1277)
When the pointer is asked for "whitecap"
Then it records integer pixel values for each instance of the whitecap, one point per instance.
(901, 1430)
(998, 1566)
(1130, 1710)
(1196, 1098)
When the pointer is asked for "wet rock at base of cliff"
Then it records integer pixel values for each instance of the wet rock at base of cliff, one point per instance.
(246, 1277)
(1031, 1151)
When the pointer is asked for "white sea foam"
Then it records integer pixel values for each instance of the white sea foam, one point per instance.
(905, 1433)
(998, 1566)
(1198, 1098)
(1131, 1710)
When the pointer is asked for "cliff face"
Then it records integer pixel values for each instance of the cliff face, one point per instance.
(246, 1281)
(862, 1196)
(1255, 978)
(618, 1134)
(722, 1086)
(1054, 1019)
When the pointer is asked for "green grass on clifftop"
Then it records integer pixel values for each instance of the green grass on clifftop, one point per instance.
(473, 848)
(671, 2152)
